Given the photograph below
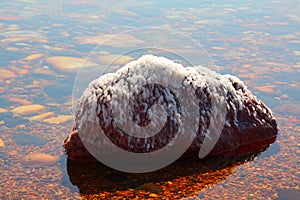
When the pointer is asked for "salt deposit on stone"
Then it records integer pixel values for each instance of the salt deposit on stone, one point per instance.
(121, 85)
(153, 110)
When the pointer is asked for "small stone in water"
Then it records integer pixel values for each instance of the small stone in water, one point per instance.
(28, 109)
(23, 71)
(150, 187)
(2, 143)
(44, 71)
(34, 57)
(3, 110)
(153, 195)
(59, 119)
(7, 74)
(69, 64)
(266, 88)
(40, 159)
(20, 100)
(41, 116)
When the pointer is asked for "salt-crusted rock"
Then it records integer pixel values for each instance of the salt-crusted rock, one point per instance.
(247, 124)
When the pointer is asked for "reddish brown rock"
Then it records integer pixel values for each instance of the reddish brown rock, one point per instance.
(249, 125)
(256, 127)
(75, 148)
(249, 135)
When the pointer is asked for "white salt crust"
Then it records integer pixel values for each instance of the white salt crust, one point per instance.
(129, 78)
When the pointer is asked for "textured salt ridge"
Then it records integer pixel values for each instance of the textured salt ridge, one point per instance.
(203, 79)
(129, 76)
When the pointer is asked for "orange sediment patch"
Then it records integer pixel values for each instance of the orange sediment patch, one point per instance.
(266, 88)
(15, 39)
(288, 108)
(23, 71)
(7, 74)
(3, 110)
(59, 119)
(20, 100)
(28, 109)
(277, 23)
(276, 69)
(34, 57)
(2, 143)
(288, 70)
(36, 82)
(241, 49)
(27, 66)
(67, 63)
(9, 18)
(40, 159)
(246, 65)
(41, 116)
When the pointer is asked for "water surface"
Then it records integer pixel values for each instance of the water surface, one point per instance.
(258, 41)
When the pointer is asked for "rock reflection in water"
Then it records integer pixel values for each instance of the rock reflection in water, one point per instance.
(182, 175)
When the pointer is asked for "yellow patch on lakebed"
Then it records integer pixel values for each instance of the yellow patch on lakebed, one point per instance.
(2, 143)
(20, 100)
(29, 109)
(40, 159)
(266, 88)
(34, 57)
(69, 64)
(7, 74)
(41, 116)
(59, 119)
(3, 110)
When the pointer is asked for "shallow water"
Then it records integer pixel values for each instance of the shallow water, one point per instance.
(258, 41)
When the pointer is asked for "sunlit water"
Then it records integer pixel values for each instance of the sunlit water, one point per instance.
(258, 41)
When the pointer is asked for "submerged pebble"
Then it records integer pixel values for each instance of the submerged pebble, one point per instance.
(20, 100)
(3, 110)
(41, 116)
(40, 159)
(7, 74)
(28, 109)
(59, 119)
(150, 187)
(266, 88)
(293, 109)
(34, 57)
(69, 64)
(44, 71)
(2, 143)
